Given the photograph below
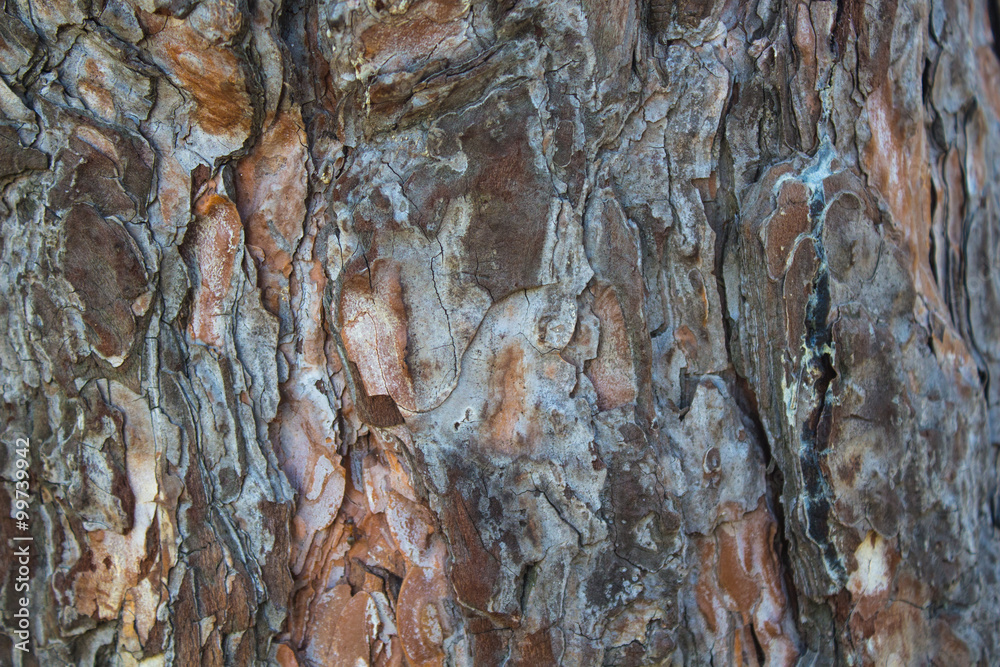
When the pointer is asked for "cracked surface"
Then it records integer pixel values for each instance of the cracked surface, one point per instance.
(440, 332)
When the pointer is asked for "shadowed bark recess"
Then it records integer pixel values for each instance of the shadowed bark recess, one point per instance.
(521, 332)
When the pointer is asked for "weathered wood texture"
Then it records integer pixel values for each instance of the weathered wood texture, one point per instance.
(507, 332)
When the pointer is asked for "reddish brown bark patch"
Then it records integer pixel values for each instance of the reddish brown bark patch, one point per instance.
(785, 225)
(507, 404)
(505, 183)
(421, 619)
(475, 566)
(212, 74)
(271, 192)
(216, 240)
(741, 574)
(105, 268)
(612, 372)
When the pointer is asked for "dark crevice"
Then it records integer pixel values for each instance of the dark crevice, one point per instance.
(817, 373)
(995, 507)
(746, 400)
(932, 252)
(527, 583)
(756, 645)
(993, 10)
(926, 83)
(689, 385)
(846, 17)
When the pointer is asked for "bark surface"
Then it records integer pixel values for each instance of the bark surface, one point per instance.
(524, 332)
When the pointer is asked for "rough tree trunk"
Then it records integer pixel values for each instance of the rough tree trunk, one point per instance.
(508, 332)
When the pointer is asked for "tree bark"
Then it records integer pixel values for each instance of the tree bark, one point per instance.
(514, 332)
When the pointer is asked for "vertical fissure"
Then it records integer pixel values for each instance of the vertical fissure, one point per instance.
(746, 400)
(818, 373)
